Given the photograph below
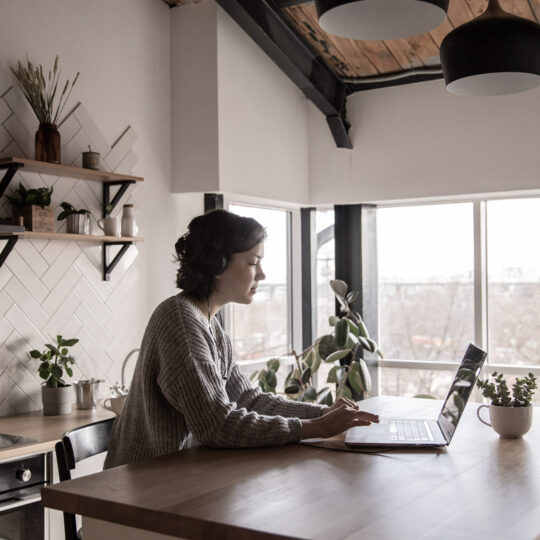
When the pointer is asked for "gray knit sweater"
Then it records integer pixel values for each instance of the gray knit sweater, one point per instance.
(186, 390)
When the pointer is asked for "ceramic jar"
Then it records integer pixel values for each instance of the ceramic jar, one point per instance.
(128, 226)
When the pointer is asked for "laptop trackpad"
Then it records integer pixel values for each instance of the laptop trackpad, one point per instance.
(375, 433)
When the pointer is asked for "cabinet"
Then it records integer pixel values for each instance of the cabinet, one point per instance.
(109, 202)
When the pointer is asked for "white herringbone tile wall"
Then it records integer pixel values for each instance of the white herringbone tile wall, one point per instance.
(50, 287)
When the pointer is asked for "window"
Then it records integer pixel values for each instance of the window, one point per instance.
(431, 269)
(263, 329)
(513, 263)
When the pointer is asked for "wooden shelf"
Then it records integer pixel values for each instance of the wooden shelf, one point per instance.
(67, 170)
(66, 236)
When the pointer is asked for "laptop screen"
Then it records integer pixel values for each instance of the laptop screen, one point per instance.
(461, 389)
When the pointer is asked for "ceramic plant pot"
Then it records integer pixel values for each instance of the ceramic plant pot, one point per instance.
(57, 400)
(78, 224)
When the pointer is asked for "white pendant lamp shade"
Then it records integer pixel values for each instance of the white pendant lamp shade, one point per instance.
(494, 54)
(380, 19)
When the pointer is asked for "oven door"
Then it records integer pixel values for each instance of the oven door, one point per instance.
(23, 519)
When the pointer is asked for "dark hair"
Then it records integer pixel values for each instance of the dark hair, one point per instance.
(206, 249)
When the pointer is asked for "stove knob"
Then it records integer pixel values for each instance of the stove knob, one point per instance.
(23, 475)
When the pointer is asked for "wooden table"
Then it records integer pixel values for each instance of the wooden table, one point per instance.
(480, 487)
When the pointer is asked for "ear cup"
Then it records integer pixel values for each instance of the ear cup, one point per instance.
(213, 263)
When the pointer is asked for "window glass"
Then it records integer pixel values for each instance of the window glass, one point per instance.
(426, 298)
(513, 281)
(262, 329)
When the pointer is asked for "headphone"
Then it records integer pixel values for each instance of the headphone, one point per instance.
(213, 263)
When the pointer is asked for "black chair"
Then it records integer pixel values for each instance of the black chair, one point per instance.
(76, 445)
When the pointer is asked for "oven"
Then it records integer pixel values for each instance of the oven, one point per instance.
(22, 516)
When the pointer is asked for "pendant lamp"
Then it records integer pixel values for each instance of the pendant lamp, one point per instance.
(380, 19)
(497, 53)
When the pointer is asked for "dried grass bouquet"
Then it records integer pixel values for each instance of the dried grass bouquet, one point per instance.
(41, 93)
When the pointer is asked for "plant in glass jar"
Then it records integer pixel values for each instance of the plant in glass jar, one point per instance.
(47, 101)
(343, 348)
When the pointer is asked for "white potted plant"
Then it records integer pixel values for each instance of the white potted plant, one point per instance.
(510, 413)
(56, 394)
(77, 221)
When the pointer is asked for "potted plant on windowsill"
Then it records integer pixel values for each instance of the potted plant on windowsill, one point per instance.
(77, 221)
(343, 348)
(34, 205)
(57, 395)
(510, 413)
(41, 92)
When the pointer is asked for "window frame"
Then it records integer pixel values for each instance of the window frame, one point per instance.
(480, 286)
(294, 299)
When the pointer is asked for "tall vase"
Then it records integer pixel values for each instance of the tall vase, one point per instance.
(48, 143)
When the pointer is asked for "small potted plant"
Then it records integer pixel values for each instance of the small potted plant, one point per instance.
(510, 413)
(42, 91)
(56, 394)
(34, 205)
(78, 221)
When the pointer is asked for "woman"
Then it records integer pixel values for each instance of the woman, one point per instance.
(186, 389)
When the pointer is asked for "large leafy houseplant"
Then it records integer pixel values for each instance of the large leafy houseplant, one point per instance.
(34, 206)
(343, 347)
(27, 197)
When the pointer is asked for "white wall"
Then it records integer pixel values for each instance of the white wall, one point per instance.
(263, 138)
(122, 50)
(419, 141)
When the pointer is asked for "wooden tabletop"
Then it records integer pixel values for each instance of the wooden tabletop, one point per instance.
(480, 487)
(47, 430)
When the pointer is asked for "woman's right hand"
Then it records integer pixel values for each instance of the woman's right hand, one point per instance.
(336, 421)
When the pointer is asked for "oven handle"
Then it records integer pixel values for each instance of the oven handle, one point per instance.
(23, 501)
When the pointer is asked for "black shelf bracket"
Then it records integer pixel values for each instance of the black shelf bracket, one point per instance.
(107, 202)
(8, 175)
(108, 267)
(11, 241)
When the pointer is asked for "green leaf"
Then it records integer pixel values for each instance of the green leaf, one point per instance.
(310, 394)
(355, 379)
(333, 320)
(273, 364)
(56, 371)
(316, 362)
(53, 349)
(345, 391)
(332, 375)
(308, 359)
(362, 329)
(329, 400)
(366, 377)
(292, 389)
(338, 355)
(322, 395)
(341, 332)
(306, 375)
(351, 296)
(327, 346)
(35, 354)
(339, 287)
(70, 342)
(271, 379)
(64, 351)
(69, 371)
(353, 328)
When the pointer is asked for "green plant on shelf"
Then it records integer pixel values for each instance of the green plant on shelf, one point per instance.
(70, 210)
(26, 197)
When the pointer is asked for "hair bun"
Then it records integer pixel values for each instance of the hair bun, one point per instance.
(180, 245)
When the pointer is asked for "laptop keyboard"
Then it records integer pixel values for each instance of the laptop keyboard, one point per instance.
(409, 430)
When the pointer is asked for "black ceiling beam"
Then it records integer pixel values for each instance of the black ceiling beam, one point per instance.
(261, 20)
(403, 77)
(289, 3)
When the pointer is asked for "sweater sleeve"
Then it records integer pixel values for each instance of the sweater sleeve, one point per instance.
(252, 398)
(191, 383)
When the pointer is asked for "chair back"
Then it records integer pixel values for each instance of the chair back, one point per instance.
(76, 445)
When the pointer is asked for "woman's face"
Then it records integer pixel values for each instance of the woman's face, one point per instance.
(239, 282)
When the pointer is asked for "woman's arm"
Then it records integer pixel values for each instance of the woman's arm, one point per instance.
(245, 395)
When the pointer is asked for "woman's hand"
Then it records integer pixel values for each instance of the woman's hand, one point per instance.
(338, 403)
(337, 419)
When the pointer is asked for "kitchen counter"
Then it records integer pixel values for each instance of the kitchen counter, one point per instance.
(46, 429)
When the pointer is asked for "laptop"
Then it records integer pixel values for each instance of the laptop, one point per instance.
(414, 432)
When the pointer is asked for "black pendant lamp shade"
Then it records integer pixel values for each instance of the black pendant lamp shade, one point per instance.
(380, 19)
(497, 53)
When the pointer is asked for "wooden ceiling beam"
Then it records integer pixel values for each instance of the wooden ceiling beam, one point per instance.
(262, 21)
